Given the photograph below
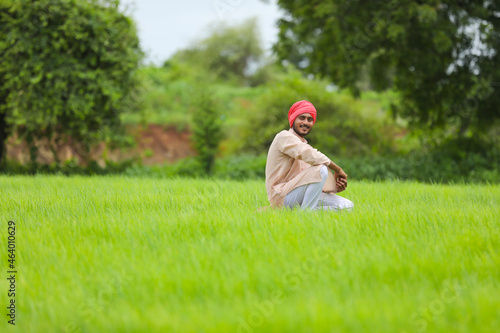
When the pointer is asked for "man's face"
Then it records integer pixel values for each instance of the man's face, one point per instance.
(303, 124)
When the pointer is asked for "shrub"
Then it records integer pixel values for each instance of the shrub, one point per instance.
(207, 129)
(342, 129)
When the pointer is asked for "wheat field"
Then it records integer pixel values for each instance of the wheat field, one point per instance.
(125, 254)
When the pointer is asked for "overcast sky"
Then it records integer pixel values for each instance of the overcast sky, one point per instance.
(166, 26)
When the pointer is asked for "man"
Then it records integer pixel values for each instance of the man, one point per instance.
(297, 174)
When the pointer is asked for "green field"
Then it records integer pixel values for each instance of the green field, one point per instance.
(118, 254)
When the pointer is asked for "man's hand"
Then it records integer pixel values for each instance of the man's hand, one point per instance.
(340, 174)
(341, 184)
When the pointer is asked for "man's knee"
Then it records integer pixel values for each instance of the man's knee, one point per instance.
(346, 204)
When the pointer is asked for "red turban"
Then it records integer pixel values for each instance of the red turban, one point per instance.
(299, 108)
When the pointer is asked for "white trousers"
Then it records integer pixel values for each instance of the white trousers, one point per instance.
(310, 196)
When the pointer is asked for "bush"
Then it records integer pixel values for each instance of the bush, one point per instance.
(342, 129)
(436, 166)
(432, 167)
(68, 168)
(233, 167)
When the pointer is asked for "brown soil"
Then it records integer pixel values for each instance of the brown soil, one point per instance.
(155, 144)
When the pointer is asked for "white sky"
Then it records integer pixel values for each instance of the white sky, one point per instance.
(166, 26)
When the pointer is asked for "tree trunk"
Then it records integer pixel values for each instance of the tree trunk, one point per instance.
(3, 136)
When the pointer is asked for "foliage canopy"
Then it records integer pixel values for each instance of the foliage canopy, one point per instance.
(67, 67)
(227, 52)
(443, 57)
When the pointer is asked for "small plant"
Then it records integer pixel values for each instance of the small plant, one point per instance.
(148, 153)
(207, 130)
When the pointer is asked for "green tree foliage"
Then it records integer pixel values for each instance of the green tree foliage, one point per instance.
(228, 52)
(67, 67)
(207, 129)
(442, 56)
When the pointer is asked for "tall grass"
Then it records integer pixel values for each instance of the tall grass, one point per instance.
(124, 254)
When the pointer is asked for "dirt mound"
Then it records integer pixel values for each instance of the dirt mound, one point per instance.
(159, 144)
(155, 144)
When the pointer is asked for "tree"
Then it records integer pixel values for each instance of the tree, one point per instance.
(227, 52)
(67, 68)
(442, 57)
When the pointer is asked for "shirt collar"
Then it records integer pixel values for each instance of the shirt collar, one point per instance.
(295, 133)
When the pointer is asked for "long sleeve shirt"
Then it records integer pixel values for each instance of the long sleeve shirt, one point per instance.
(292, 162)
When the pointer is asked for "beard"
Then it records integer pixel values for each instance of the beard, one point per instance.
(302, 130)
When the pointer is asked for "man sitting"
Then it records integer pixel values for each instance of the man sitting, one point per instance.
(297, 174)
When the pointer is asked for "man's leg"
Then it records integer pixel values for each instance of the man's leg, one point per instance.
(307, 196)
(295, 197)
(330, 201)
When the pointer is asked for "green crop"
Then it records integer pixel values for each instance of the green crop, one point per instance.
(124, 254)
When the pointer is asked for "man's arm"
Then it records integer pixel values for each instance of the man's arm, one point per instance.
(290, 145)
(293, 147)
(338, 172)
